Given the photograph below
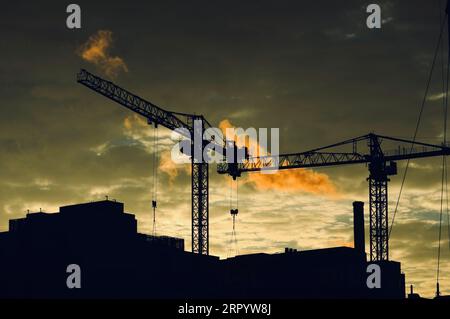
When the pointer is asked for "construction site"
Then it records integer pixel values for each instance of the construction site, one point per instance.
(122, 263)
(119, 261)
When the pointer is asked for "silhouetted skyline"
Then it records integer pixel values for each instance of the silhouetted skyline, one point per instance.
(311, 68)
(113, 260)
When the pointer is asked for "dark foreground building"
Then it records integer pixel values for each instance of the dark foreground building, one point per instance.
(118, 262)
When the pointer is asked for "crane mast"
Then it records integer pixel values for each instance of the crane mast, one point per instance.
(379, 170)
(381, 165)
(171, 120)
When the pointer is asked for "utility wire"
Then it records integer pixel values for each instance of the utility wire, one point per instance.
(445, 81)
(446, 203)
(440, 225)
(418, 123)
(446, 86)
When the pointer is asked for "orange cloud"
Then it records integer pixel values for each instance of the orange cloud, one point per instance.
(137, 126)
(96, 51)
(284, 180)
(252, 145)
(134, 121)
(293, 180)
(167, 166)
(224, 124)
(171, 168)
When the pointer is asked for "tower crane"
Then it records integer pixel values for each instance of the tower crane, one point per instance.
(173, 121)
(381, 164)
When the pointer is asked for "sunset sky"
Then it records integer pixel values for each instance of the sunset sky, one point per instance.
(310, 68)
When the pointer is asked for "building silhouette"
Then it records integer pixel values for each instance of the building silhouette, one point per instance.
(118, 262)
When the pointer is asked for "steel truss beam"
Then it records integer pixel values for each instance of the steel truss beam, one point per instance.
(200, 208)
(380, 164)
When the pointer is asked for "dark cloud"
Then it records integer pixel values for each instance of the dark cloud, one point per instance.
(311, 68)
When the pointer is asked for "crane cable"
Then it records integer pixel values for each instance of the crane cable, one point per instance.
(418, 122)
(155, 176)
(233, 248)
(235, 240)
